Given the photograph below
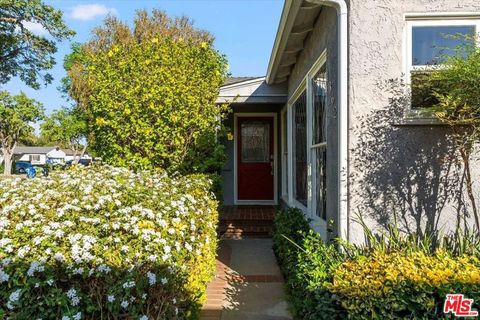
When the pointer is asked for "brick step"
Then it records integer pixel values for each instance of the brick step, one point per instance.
(246, 223)
(239, 236)
(245, 231)
(246, 228)
(248, 217)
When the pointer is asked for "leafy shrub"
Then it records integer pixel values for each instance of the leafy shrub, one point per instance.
(149, 93)
(103, 243)
(459, 243)
(391, 277)
(289, 228)
(308, 264)
(409, 285)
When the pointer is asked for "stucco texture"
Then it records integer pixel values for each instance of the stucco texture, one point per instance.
(407, 171)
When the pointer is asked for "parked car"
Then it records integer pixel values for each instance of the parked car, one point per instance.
(84, 162)
(22, 166)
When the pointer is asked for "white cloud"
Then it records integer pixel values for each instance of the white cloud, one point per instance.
(86, 12)
(35, 28)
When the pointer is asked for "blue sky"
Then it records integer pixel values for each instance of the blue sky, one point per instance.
(244, 32)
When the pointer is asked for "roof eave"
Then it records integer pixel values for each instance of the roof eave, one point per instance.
(289, 13)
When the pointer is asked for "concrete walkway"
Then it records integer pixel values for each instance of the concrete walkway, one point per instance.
(248, 284)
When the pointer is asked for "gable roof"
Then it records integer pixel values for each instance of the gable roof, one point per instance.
(232, 80)
(33, 150)
(252, 90)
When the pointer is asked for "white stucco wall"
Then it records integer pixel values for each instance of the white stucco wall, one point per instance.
(26, 157)
(395, 169)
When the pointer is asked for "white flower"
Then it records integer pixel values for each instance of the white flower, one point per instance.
(72, 295)
(14, 296)
(104, 268)
(65, 318)
(129, 284)
(152, 278)
(77, 316)
(124, 304)
(144, 317)
(4, 277)
(164, 280)
(111, 298)
(35, 266)
(78, 270)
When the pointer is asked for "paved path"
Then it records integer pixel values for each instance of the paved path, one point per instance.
(248, 284)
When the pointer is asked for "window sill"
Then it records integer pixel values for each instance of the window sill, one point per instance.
(418, 118)
(418, 122)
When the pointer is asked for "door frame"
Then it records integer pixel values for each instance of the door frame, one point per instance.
(275, 160)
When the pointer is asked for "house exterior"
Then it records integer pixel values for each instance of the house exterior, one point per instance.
(39, 155)
(333, 128)
(44, 155)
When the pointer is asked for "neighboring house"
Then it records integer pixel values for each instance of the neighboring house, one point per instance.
(71, 155)
(44, 155)
(332, 131)
(39, 155)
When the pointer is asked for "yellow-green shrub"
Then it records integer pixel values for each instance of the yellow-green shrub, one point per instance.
(392, 285)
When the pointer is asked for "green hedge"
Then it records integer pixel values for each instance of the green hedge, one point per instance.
(373, 283)
(308, 264)
(106, 243)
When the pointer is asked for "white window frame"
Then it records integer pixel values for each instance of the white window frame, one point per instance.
(431, 20)
(284, 152)
(306, 85)
(322, 61)
(291, 197)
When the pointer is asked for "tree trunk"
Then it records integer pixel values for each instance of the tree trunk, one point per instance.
(7, 160)
(75, 158)
(469, 184)
(83, 152)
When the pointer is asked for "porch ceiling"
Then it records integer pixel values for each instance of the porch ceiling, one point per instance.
(297, 22)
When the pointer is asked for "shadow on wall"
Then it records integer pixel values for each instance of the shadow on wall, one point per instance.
(410, 172)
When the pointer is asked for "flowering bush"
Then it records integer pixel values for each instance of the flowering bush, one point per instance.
(408, 285)
(105, 243)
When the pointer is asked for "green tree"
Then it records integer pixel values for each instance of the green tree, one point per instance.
(457, 85)
(17, 113)
(149, 93)
(24, 53)
(66, 127)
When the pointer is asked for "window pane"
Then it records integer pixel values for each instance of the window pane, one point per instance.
(321, 182)
(255, 142)
(300, 149)
(423, 88)
(430, 45)
(319, 86)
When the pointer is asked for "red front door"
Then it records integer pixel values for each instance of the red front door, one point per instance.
(255, 158)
